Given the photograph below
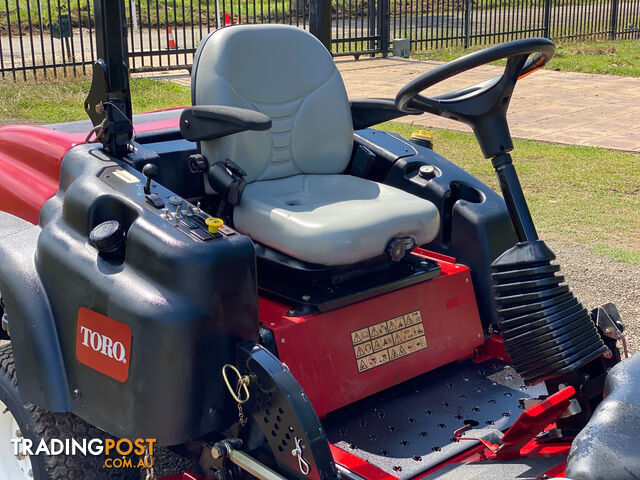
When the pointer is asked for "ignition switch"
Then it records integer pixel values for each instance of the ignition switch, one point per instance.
(197, 164)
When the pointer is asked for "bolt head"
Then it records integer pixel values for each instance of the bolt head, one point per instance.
(76, 393)
(216, 452)
(282, 340)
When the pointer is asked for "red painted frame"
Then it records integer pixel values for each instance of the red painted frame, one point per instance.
(319, 351)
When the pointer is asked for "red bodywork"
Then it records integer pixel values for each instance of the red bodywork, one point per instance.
(30, 158)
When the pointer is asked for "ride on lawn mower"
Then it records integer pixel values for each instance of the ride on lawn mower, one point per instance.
(270, 288)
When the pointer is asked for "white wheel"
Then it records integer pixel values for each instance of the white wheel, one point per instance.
(12, 466)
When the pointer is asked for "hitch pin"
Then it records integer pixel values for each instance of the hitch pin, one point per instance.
(302, 463)
(243, 384)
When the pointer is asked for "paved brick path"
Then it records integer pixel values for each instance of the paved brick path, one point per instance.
(572, 108)
(562, 107)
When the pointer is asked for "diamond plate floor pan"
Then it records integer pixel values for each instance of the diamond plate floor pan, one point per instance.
(409, 428)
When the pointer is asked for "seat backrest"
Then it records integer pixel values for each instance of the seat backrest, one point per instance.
(287, 74)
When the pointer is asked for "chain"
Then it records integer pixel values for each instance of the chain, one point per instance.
(242, 384)
(241, 418)
(149, 460)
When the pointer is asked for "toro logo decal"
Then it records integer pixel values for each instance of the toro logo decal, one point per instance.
(103, 344)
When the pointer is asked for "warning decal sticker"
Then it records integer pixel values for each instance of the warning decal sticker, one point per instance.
(387, 341)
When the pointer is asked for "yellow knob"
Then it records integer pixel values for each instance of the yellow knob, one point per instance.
(214, 224)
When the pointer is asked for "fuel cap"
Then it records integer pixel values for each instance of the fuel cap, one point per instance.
(107, 237)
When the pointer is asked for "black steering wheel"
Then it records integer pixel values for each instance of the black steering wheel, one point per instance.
(482, 106)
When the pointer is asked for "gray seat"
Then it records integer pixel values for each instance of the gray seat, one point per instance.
(297, 199)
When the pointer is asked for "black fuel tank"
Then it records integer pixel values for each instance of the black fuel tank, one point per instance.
(182, 297)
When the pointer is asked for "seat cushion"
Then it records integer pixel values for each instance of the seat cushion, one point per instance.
(332, 219)
(287, 74)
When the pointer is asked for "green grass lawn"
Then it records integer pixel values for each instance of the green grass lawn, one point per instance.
(620, 57)
(61, 100)
(577, 194)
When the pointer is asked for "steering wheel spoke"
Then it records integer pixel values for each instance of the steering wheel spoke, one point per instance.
(482, 106)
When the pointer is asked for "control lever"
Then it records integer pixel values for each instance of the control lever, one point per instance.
(150, 171)
(227, 179)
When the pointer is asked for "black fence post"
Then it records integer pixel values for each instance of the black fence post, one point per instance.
(547, 18)
(468, 4)
(614, 19)
(384, 26)
(372, 15)
(320, 21)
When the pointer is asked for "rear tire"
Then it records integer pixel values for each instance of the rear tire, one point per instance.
(36, 424)
(4, 335)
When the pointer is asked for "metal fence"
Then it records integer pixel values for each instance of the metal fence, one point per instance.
(479, 22)
(55, 37)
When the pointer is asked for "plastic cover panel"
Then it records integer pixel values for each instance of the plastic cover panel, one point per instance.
(409, 429)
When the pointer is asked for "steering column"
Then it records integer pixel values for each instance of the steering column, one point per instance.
(547, 332)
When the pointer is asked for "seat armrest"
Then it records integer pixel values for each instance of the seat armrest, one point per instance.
(206, 122)
(366, 112)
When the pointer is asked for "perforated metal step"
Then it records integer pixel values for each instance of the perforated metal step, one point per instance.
(409, 429)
